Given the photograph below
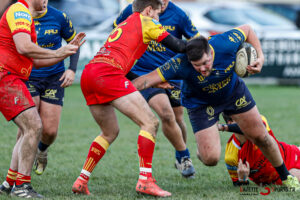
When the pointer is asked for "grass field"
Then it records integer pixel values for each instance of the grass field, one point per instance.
(116, 175)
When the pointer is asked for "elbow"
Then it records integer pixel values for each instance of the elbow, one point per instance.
(23, 50)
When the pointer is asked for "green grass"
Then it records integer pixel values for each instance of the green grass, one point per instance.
(116, 174)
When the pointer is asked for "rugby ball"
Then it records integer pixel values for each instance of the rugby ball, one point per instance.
(245, 55)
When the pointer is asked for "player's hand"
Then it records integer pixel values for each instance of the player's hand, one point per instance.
(243, 171)
(222, 127)
(78, 39)
(68, 78)
(164, 85)
(256, 66)
(66, 50)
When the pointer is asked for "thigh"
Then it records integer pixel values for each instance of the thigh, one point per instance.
(135, 107)
(14, 96)
(28, 119)
(50, 115)
(250, 123)
(161, 105)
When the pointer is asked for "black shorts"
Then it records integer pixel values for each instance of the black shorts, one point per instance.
(48, 88)
(173, 94)
(207, 115)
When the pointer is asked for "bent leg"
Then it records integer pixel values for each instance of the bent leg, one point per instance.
(161, 105)
(252, 126)
(30, 125)
(208, 145)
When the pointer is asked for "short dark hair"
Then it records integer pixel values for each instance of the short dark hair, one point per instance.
(140, 5)
(196, 47)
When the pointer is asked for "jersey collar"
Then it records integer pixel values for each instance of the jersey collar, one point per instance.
(24, 2)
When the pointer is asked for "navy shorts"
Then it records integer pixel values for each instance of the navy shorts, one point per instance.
(173, 94)
(206, 116)
(48, 88)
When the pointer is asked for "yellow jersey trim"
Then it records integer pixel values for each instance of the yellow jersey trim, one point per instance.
(213, 52)
(102, 142)
(72, 37)
(160, 75)
(147, 135)
(242, 33)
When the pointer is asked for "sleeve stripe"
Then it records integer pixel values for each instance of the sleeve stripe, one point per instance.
(72, 37)
(115, 23)
(242, 33)
(160, 75)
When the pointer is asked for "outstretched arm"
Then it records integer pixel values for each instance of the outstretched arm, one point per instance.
(148, 80)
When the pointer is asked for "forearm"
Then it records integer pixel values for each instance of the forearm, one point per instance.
(175, 44)
(39, 63)
(146, 81)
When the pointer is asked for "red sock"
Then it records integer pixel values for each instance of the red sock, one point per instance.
(21, 178)
(11, 177)
(96, 152)
(146, 144)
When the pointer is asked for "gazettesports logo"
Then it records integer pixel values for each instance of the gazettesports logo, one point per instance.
(255, 190)
(22, 15)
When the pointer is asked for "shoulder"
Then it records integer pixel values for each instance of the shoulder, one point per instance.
(176, 9)
(19, 11)
(57, 13)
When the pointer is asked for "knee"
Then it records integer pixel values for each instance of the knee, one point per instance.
(35, 129)
(167, 117)
(261, 140)
(209, 160)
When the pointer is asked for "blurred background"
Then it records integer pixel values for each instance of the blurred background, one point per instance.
(276, 22)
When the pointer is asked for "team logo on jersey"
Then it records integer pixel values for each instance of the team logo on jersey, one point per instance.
(169, 28)
(126, 84)
(51, 32)
(237, 36)
(242, 102)
(210, 111)
(50, 94)
(230, 67)
(22, 15)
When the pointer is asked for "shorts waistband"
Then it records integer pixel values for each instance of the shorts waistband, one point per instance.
(107, 60)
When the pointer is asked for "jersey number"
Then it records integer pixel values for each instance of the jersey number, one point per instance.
(119, 32)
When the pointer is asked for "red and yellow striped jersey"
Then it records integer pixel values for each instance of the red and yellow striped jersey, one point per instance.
(261, 170)
(129, 40)
(16, 19)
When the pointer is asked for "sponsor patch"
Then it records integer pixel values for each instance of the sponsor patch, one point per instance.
(22, 15)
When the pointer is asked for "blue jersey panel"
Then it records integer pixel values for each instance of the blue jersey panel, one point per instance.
(218, 86)
(177, 23)
(51, 28)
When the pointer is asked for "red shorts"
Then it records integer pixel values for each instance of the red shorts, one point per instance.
(292, 156)
(14, 96)
(102, 83)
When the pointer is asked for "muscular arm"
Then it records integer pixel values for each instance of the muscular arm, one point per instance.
(26, 47)
(46, 62)
(256, 66)
(146, 81)
(175, 44)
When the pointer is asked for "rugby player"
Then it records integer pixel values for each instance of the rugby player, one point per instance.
(245, 160)
(166, 102)
(105, 87)
(210, 86)
(18, 53)
(46, 85)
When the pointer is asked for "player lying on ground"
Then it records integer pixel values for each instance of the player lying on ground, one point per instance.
(245, 160)
(210, 87)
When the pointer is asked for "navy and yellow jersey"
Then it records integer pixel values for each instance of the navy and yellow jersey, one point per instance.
(198, 90)
(51, 28)
(176, 22)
